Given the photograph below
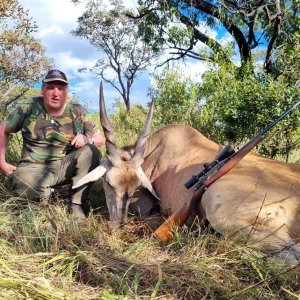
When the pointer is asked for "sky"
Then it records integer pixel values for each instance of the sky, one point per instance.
(55, 20)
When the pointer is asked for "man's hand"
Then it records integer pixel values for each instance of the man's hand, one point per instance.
(7, 169)
(80, 140)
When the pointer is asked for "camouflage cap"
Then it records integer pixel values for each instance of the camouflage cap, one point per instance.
(56, 75)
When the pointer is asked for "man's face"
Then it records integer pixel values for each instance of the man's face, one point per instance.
(55, 95)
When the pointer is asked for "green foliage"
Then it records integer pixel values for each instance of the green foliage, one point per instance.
(287, 55)
(176, 99)
(128, 125)
(21, 55)
(231, 108)
(237, 108)
(250, 24)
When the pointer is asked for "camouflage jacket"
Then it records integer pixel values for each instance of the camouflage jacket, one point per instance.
(47, 138)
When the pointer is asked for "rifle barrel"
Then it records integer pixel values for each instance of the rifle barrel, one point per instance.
(267, 128)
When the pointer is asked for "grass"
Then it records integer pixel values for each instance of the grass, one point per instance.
(45, 254)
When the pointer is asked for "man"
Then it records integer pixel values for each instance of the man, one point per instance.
(60, 143)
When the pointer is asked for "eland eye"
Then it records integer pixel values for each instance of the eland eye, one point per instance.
(107, 182)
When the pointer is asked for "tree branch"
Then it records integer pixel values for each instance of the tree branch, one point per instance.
(276, 29)
(237, 34)
(141, 13)
(198, 35)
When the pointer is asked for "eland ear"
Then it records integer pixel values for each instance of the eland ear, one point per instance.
(146, 182)
(93, 175)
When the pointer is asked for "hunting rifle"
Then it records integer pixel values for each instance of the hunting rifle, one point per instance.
(223, 163)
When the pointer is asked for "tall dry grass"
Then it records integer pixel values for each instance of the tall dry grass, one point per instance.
(45, 254)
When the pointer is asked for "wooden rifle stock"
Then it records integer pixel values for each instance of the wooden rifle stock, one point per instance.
(179, 217)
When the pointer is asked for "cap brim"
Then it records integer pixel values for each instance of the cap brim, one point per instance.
(55, 79)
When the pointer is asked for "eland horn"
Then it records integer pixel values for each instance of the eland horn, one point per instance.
(140, 143)
(111, 147)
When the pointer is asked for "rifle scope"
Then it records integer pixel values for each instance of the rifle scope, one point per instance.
(226, 152)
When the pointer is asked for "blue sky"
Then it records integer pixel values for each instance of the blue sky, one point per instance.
(55, 20)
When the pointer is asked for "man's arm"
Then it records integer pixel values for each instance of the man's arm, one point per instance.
(97, 139)
(5, 168)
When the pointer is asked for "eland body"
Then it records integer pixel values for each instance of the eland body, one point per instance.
(258, 200)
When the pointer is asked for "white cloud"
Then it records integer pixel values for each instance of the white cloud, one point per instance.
(51, 30)
(68, 60)
(52, 12)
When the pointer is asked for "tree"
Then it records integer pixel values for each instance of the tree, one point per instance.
(116, 36)
(287, 58)
(22, 56)
(253, 25)
(241, 93)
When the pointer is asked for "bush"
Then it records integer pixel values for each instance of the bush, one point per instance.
(239, 108)
(128, 126)
(177, 99)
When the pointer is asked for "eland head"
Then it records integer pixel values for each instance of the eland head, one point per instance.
(122, 168)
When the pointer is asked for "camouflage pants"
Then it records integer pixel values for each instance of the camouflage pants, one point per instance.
(36, 181)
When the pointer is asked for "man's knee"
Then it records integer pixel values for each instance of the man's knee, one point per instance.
(90, 154)
(29, 183)
(29, 191)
